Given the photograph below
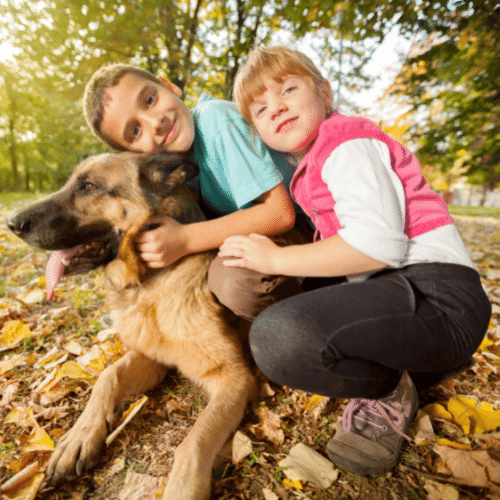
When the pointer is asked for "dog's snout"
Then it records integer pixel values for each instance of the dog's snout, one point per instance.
(18, 225)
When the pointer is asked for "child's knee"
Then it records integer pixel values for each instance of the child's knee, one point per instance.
(246, 293)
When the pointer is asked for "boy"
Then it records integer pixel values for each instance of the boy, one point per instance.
(128, 108)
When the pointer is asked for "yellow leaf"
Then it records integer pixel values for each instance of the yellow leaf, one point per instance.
(453, 444)
(21, 417)
(26, 490)
(75, 371)
(485, 344)
(314, 402)
(39, 441)
(23, 268)
(293, 484)
(435, 410)
(126, 418)
(472, 416)
(13, 332)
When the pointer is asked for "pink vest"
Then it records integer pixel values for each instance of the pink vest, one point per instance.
(424, 208)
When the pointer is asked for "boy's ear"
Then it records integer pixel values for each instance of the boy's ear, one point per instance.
(162, 172)
(327, 94)
(170, 86)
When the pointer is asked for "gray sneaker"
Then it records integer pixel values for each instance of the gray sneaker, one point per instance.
(372, 431)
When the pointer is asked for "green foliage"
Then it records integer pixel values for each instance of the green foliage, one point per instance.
(201, 45)
(450, 83)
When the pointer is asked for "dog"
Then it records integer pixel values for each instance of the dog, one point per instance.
(166, 318)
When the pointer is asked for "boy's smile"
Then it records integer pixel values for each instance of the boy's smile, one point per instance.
(287, 115)
(141, 115)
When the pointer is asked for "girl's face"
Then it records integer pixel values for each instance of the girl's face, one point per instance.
(141, 115)
(288, 114)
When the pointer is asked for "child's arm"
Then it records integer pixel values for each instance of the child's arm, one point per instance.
(329, 257)
(273, 213)
(370, 207)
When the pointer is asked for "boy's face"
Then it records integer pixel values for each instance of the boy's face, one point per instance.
(288, 114)
(142, 115)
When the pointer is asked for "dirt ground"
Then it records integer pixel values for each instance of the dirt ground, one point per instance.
(70, 327)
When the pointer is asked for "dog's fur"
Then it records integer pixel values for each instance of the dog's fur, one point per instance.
(165, 318)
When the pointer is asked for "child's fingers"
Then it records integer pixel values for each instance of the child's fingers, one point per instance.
(234, 263)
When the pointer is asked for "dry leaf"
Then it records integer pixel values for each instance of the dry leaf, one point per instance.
(269, 495)
(423, 431)
(74, 348)
(12, 333)
(270, 425)
(11, 362)
(241, 447)
(8, 392)
(305, 464)
(438, 491)
(141, 486)
(464, 465)
(126, 418)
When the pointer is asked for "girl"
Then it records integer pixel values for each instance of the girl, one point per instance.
(413, 310)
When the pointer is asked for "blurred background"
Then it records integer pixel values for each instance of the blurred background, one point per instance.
(427, 71)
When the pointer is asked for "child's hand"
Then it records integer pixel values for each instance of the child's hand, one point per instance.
(255, 252)
(164, 245)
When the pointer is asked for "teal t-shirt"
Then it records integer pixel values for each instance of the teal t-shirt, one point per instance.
(235, 165)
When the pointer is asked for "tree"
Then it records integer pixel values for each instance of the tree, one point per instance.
(450, 83)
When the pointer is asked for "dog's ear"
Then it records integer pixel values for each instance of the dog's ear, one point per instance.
(161, 172)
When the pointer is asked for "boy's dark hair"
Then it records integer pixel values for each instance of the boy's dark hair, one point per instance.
(95, 96)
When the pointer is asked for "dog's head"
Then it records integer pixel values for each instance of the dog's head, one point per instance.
(105, 197)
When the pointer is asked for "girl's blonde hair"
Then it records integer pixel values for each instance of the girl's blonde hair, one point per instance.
(277, 63)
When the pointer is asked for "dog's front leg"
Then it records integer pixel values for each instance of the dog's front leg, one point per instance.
(81, 448)
(191, 475)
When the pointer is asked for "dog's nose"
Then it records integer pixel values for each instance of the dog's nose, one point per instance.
(18, 225)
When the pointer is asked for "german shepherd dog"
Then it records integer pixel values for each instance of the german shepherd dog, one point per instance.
(166, 318)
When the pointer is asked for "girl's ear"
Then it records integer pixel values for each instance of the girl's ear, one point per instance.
(327, 94)
(170, 86)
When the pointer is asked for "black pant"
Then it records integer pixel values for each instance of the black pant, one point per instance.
(352, 340)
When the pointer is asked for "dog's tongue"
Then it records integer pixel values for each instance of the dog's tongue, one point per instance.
(55, 268)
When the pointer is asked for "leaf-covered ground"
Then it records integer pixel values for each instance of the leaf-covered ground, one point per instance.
(52, 351)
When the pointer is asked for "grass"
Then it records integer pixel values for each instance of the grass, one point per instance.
(10, 200)
(475, 211)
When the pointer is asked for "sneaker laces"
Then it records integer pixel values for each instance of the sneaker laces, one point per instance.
(366, 410)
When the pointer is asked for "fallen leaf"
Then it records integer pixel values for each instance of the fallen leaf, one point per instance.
(74, 348)
(241, 447)
(465, 466)
(269, 495)
(438, 491)
(453, 444)
(305, 464)
(26, 484)
(293, 484)
(472, 416)
(423, 431)
(126, 418)
(437, 411)
(12, 333)
(8, 392)
(270, 425)
(39, 440)
(142, 486)
(11, 362)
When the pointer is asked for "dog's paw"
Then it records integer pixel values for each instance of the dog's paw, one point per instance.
(78, 450)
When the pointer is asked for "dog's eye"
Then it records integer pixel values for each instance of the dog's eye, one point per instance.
(89, 187)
